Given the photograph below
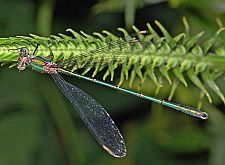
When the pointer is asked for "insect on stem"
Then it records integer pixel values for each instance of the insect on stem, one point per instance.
(91, 112)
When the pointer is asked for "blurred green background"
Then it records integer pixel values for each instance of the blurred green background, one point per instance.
(37, 123)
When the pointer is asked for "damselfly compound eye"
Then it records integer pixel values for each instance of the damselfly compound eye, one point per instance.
(23, 51)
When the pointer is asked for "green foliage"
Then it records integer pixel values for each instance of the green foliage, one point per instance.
(176, 59)
(37, 124)
(128, 6)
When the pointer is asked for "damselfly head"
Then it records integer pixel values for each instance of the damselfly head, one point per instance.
(23, 51)
(24, 59)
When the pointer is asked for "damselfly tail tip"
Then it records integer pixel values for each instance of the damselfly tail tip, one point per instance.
(204, 115)
(118, 154)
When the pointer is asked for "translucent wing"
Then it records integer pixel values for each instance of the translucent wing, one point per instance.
(95, 117)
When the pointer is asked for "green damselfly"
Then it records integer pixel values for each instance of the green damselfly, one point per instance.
(92, 113)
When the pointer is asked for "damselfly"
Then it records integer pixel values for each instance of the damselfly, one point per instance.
(93, 114)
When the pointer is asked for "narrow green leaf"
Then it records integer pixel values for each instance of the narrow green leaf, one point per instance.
(209, 81)
(209, 43)
(186, 27)
(165, 73)
(173, 89)
(178, 73)
(164, 31)
(189, 43)
(194, 78)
